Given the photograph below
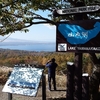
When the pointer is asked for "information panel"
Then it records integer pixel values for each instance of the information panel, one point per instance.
(24, 81)
(81, 36)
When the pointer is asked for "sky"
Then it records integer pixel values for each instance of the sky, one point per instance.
(42, 32)
(38, 33)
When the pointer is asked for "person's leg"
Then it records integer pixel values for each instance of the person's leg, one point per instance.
(54, 82)
(49, 81)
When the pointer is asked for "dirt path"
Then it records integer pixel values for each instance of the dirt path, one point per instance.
(60, 93)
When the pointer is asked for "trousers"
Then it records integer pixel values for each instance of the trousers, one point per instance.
(52, 78)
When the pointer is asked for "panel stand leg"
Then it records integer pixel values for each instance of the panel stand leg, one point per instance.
(9, 96)
(43, 87)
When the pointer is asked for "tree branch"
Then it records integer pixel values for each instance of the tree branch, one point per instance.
(93, 58)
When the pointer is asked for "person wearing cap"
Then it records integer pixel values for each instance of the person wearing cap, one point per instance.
(51, 65)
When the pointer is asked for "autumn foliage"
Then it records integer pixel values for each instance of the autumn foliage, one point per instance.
(11, 57)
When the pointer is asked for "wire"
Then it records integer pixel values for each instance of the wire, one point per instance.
(5, 38)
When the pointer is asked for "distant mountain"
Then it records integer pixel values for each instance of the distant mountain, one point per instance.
(4, 39)
(13, 41)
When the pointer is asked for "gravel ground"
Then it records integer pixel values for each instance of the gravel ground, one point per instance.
(50, 95)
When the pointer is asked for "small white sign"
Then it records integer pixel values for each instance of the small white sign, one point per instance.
(62, 47)
(24, 81)
(82, 9)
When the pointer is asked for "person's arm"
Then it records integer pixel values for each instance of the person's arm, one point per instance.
(48, 64)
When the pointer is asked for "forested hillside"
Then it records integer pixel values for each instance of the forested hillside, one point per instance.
(11, 57)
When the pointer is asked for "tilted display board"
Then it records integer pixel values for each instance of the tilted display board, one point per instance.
(80, 35)
(24, 81)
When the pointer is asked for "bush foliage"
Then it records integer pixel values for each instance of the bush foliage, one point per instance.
(11, 57)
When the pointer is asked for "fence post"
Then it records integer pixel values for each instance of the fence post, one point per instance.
(85, 86)
(70, 80)
(43, 87)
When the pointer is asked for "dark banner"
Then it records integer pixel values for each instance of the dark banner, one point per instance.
(78, 36)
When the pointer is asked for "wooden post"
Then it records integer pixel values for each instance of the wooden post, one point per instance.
(85, 87)
(78, 60)
(78, 77)
(9, 96)
(43, 87)
(70, 80)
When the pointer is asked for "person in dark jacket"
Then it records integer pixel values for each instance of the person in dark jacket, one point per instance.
(51, 65)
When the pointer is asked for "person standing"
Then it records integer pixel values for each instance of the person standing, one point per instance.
(51, 65)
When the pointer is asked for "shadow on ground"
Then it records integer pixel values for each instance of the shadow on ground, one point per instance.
(58, 90)
(56, 99)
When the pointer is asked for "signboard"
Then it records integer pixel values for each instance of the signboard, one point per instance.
(24, 81)
(83, 9)
(81, 36)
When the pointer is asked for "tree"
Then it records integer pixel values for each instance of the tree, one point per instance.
(95, 77)
(18, 15)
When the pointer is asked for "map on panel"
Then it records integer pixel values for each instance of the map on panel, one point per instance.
(75, 34)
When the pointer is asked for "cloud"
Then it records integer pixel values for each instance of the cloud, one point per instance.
(50, 26)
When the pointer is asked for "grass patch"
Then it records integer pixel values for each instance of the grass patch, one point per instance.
(4, 74)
